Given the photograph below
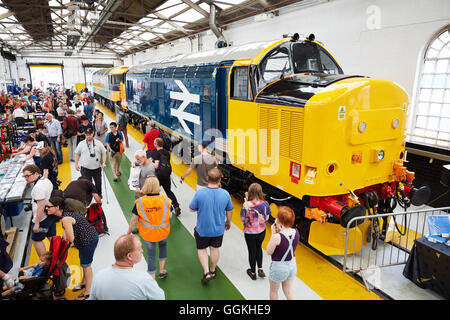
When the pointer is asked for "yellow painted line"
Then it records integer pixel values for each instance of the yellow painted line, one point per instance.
(329, 282)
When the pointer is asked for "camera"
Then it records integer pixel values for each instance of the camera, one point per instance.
(92, 155)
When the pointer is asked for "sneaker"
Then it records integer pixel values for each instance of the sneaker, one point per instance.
(8, 281)
(177, 211)
(261, 273)
(162, 275)
(251, 274)
(135, 231)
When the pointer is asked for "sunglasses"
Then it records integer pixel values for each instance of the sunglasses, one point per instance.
(47, 207)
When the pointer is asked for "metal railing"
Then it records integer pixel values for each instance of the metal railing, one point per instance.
(383, 240)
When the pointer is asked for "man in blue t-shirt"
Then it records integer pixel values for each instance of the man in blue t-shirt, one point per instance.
(211, 204)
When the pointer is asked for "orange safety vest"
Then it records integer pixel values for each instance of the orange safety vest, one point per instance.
(154, 217)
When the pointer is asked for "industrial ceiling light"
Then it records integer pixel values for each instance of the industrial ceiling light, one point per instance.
(72, 38)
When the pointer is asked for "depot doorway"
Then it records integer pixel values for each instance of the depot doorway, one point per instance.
(45, 76)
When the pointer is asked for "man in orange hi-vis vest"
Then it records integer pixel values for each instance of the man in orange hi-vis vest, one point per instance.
(152, 215)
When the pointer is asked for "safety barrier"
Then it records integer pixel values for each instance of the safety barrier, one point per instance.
(383, 240)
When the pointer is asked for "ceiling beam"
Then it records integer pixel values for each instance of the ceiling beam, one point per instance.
(197, 8)
(112, 6)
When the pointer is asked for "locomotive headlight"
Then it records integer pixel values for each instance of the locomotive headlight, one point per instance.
(362, 126)
(377, 155)
(395, 123)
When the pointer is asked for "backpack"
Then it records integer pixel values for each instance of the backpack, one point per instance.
(167, 143)
(68, 134)
(123, 119)
(164, 168)
(96, 218)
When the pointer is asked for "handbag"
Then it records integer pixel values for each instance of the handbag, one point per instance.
(121, 147)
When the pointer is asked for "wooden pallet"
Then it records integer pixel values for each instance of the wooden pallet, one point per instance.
(11, 238)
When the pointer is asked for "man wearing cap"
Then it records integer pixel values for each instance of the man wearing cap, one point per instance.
(203, 163)
(82, 127)
(90, 159)
(55, 134)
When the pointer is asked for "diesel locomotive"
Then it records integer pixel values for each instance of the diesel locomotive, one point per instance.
(108, 86)
(283, 114)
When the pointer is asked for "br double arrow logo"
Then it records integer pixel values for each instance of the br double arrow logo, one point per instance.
(187, 98)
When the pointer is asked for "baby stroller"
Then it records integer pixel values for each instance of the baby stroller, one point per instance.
(52, 283)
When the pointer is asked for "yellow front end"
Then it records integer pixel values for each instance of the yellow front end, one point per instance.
(330, 146)
(354, 131)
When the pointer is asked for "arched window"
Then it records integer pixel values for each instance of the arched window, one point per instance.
(431, 115)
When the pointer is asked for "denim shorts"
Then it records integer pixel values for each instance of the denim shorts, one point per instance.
(86, 253)
(280, 271)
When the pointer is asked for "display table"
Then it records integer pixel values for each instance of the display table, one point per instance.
(428, 266)
(13, 185)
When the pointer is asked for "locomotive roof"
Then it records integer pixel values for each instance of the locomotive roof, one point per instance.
(244, 51)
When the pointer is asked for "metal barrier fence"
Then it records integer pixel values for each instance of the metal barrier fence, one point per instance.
(384, 240)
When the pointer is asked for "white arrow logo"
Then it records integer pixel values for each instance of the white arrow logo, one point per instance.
(187, 98)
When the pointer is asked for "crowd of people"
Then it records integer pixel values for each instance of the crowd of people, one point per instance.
(90, 140)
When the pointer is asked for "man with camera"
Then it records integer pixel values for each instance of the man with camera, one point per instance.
(90, 159)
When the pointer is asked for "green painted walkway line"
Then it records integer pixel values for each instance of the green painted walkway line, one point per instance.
(184, 269)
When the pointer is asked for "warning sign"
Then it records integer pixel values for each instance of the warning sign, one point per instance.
(341, 113)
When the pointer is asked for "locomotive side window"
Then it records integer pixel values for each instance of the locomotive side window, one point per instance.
(239, 84)
(129, 90)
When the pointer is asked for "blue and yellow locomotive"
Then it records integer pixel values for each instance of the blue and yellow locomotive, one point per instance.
(284, 114)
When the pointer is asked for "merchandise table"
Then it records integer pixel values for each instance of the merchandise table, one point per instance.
(428, 266)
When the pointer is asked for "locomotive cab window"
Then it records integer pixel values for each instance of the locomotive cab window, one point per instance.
(239, 84)
(276, 65)
(328, 64)
(306, 57)
(115, 81)
(309, 57)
